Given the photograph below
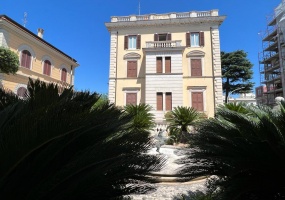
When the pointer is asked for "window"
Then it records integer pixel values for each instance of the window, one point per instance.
(197, 101)
(196, 67)
(163, 67)
(26, 59)
(167, 64)
(22, 92)
(159, 65)
(63, 74)
(47, 68)
(163, 101)
(131, 68)
(159, 101)
(168, 101)
(195, 39)
(132, 42)
(162, 37)
(131, 98)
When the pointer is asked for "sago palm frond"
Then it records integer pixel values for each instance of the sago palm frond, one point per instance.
(56, 147)
(245, 152)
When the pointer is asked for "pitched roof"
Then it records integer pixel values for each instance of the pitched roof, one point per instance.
(11, 21)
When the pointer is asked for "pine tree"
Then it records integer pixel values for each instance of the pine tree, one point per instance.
(237, 72)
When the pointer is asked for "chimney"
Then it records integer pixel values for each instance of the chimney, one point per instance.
(40, 32)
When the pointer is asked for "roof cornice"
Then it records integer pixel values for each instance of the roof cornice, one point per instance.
(215, 20)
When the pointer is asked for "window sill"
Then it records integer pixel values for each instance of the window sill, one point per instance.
(132, 49)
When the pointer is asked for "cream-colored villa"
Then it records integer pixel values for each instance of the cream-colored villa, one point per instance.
(38, 59)
(166, 60)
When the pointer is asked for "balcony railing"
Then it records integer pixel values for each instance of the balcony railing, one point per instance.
(165, 16)
(163, 44)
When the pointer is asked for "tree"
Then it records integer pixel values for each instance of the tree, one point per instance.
(180, 119)
(56, 147)
(9, 61)
(142, 118)
(244, 150)
(237, 72)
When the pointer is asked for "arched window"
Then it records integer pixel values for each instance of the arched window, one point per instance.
(63, 74)
(26, 59)
(22, 92)
(47, 67)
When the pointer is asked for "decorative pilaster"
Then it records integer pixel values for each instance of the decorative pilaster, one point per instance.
(113, 66)
(217, 70)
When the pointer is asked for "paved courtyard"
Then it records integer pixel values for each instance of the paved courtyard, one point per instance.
(168, 191)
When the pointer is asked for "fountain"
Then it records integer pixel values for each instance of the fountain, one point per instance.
(172, 153)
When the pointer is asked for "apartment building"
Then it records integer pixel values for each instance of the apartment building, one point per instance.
(166, 60)
(38, 58)
(271, 58)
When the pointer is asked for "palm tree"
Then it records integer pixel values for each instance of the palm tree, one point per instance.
(180, 119)
(245, 152)
(142, 119)
(56, 147)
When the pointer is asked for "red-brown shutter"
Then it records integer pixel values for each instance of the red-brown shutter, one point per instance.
(159, 101)
(168, 99)
(168, 36)
(197, 101)
(132, 69)
(23, 59)
(167, 64)
(28, 60)
(63, 74)
(131, 98)
(126, 45)
(155, 37)
(202, 40)
(196, 67)
(187, 39)
(158, 64)
(47, 67)
(138, 41)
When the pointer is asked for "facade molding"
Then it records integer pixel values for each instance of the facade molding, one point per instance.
(132, 55)
(195, 53)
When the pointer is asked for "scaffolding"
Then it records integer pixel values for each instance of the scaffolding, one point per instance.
(271, 59)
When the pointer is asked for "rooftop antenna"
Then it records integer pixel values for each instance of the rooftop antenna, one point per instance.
(139, 7)
(25, 19)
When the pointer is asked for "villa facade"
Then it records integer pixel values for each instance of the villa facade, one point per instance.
(38, 59)
(166, 60)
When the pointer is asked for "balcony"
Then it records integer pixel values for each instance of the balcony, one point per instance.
(163, 44)
(165, 16)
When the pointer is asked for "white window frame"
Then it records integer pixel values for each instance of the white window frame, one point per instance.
(202, 63)
(132, 42)
(126, 68)
(198, 89)
(28, 48)
(67, 74)
(44, 58)
(195, 39)
(19, 86)
(130, 90)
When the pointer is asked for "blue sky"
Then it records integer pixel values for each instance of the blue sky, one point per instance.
(77, 28)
